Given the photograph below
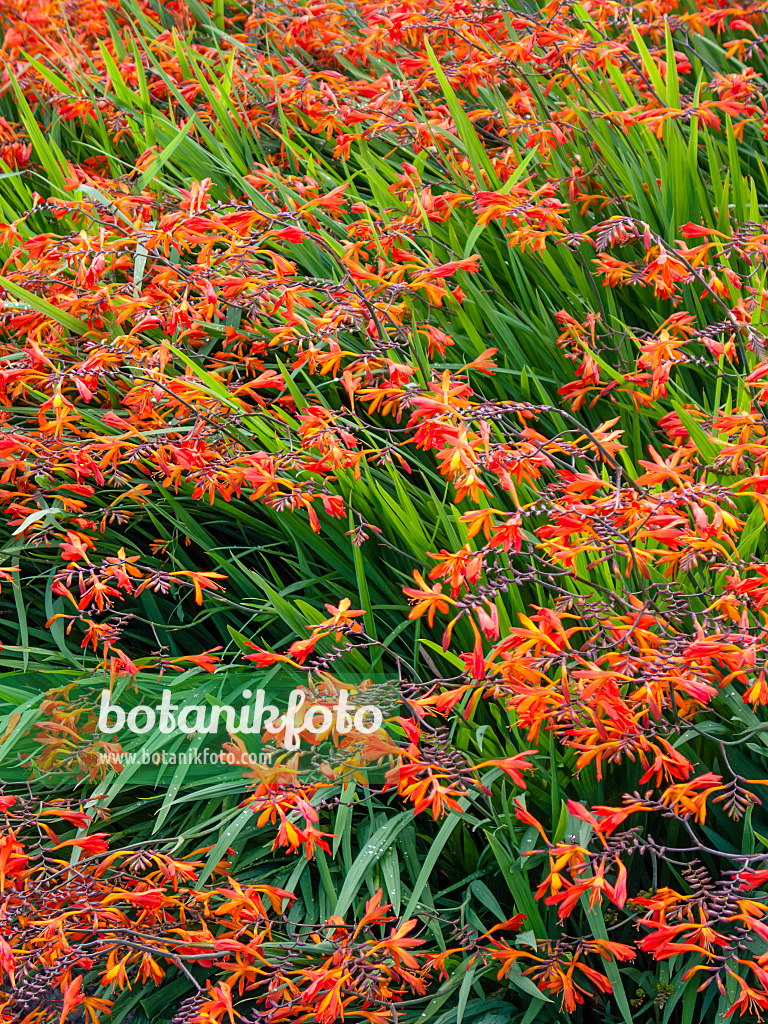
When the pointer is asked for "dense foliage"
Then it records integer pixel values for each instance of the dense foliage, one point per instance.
(417, 350)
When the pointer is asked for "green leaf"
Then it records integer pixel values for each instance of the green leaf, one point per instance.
(369, 856)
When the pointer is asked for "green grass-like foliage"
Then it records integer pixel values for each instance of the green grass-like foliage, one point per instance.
(312, 305)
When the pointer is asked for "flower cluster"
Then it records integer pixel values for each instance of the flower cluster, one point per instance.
(411, 340)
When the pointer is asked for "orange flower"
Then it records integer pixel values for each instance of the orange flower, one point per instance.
(427, 600)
